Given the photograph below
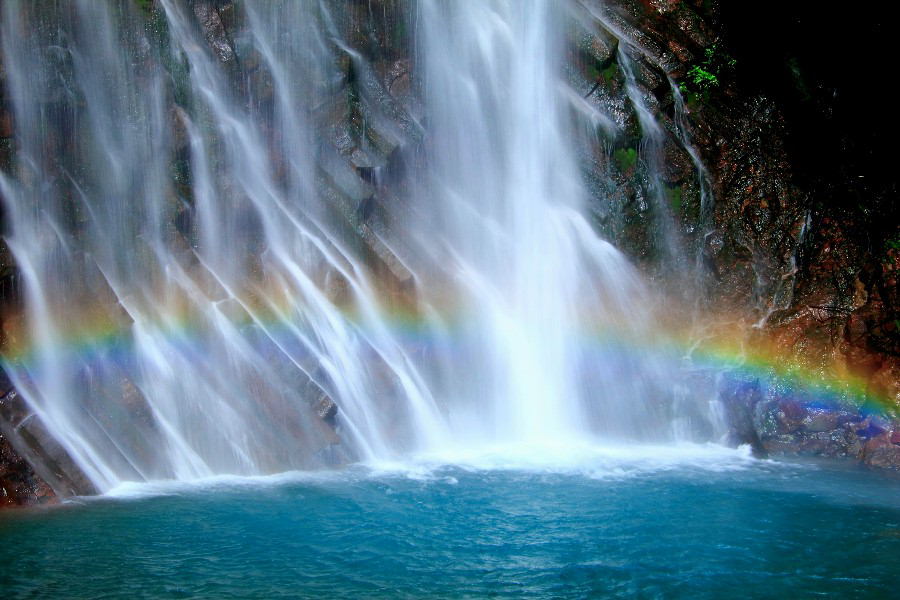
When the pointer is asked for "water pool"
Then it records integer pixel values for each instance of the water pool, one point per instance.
(729, 527)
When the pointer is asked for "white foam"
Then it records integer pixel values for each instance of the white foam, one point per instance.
(577, 457)
(174, 487)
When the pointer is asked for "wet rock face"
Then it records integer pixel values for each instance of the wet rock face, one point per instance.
(793, 247)
(880, 453)
(779, 423)
(30, 440)
(326, 410)
(209, 15)
(740, 401)
(777, 247)
(758, 214)
(6, 124)
(363, 108)
(803, 239)
(19, 484)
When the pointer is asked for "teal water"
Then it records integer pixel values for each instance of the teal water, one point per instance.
(736, 529)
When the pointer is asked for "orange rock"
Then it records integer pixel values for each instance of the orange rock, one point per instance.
(6, 127)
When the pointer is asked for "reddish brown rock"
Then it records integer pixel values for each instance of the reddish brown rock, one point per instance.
(880, 452)
(6, 128)
(19, 484)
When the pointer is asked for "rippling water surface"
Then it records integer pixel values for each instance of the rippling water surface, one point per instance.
(710, 524)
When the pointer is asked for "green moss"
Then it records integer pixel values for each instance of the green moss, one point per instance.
(702, 78)
(675, 195)
(707, 74)
(891, 251)
(399, 34)
(597, 70)
(625, 159)
(610, 72)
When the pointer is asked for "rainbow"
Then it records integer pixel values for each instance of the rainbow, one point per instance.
(726, 348)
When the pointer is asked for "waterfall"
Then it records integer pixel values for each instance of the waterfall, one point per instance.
(505, 227)
(221, 276)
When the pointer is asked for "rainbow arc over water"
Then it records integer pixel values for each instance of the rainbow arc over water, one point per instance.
(732, 348)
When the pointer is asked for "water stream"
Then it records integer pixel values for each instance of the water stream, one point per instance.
(203, 277)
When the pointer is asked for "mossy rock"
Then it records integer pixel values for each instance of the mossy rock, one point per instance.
(625, 159)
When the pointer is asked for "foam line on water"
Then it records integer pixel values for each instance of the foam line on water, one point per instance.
(585, 459)
(578, 458)
(145, 489)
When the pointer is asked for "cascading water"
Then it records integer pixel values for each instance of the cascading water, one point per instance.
(505, 230)
(202, 279)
